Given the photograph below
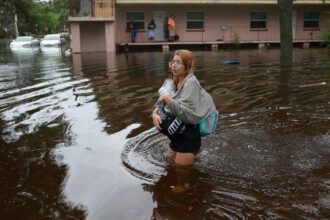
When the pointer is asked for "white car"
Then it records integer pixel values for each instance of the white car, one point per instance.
(52, 40)
(24, 42)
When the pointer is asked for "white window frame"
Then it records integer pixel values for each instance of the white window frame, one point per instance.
(195, 20)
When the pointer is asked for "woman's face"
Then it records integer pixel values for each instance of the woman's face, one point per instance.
(178, 67)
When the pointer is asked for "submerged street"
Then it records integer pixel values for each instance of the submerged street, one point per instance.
(77, 140)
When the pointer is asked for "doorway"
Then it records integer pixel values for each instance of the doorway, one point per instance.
(159, 17)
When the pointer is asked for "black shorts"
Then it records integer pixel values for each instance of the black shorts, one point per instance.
(187, 142)
(185, 138)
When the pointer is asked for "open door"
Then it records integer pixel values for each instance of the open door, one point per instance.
(159, 17)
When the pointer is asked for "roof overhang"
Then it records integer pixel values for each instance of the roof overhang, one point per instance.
(90, 19)
(273, 2)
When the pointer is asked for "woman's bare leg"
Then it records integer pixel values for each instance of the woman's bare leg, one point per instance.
(171, 153)
(184, 158)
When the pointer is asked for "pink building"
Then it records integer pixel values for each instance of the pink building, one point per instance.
(210, 21)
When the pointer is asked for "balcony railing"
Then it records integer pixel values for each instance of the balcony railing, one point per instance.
(95, 8)
(227, 34)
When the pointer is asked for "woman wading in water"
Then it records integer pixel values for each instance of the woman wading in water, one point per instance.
(178, 116)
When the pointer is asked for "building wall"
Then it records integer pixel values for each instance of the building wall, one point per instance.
(308, 34)
(92, 36)
(104, 8)
(235, 19)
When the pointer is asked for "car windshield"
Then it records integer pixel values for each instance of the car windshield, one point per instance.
(52, 37)
(23, 39)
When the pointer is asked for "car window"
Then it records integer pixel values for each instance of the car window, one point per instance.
(23, 39)
(51, 37)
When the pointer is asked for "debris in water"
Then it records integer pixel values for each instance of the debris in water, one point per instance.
(178, 189)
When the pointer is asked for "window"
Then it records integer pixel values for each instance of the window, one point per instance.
(311, 19)
(195, 20)
(139, 19)
(258, 20)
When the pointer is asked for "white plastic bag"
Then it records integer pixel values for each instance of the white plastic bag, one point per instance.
(168, 88)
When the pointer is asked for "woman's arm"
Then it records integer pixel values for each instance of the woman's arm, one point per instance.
(156, 120)
(188, 106)
(166, 98)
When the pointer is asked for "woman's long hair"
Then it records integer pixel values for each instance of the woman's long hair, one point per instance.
(189, 61)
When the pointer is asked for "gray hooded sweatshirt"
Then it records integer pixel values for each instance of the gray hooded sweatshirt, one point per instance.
(191, 103)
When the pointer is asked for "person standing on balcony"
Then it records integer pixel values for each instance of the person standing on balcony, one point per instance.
(151, 30)
(132, 27)
(171, 27)
(166, 33)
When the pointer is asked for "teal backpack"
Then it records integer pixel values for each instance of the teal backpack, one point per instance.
(209, 124)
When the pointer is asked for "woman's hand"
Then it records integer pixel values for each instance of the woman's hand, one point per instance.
(156, 120)
(166, 98)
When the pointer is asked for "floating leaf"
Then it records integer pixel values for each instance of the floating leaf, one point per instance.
(186, 186)
(178, 189)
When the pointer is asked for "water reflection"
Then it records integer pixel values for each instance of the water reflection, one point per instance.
(180, 194)
(77, 140)
(53, 51)
(21, 51)
(32, 123)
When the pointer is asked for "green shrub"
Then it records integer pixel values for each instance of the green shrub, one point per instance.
(326, 36)
(85, 12)
(67, 39)
(266, 47)
(326, 39)
(236, 39)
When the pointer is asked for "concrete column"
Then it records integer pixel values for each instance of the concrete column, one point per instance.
(110, 37)
(75, 32)
(261, 46)
(214, 47)
(166, 47)
(111, 59)
(77, 63)
(306, 45)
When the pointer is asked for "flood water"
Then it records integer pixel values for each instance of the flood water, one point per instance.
(77, 140)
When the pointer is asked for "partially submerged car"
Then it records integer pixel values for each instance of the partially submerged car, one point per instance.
(24, 42)
(53, 40)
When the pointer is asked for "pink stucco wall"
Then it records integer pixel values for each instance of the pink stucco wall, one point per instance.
(92, 34)
(235, 17)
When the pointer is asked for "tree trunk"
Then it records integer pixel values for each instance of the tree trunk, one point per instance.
(285, 7)
(16, 29)
(70, 8)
